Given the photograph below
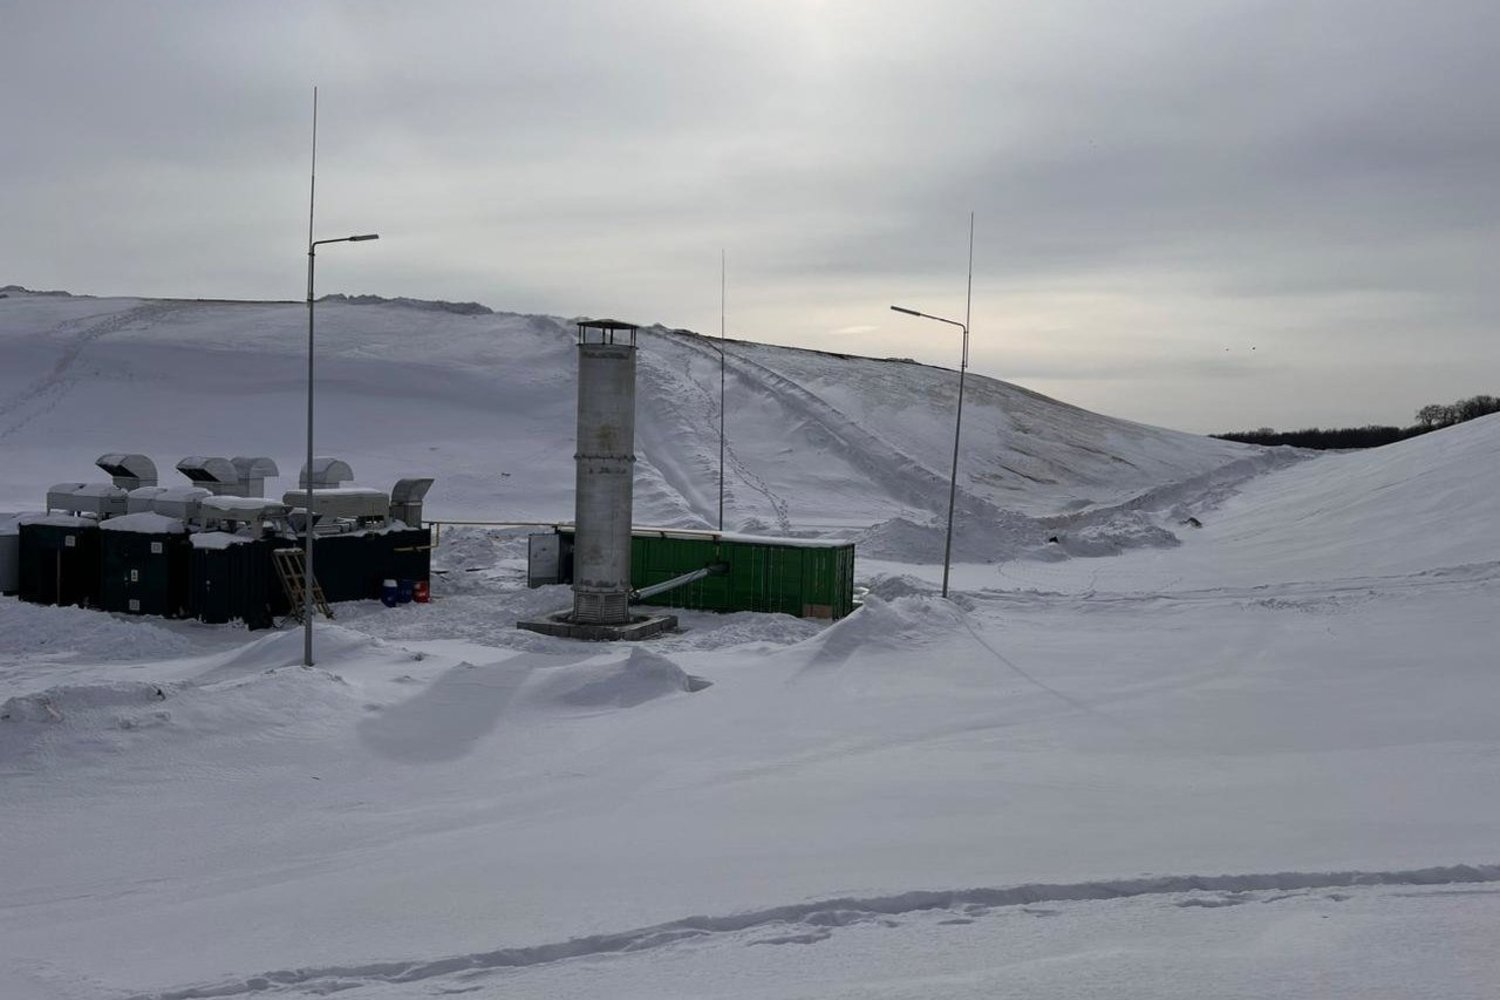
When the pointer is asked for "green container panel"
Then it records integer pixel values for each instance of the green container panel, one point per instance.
(145, 574)
(353, 567)
(59, 564)
(805, 581)
(237, 583)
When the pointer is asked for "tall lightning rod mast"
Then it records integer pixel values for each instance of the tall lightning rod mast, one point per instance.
(722, 285)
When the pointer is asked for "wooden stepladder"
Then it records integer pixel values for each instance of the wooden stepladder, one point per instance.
(291, 567)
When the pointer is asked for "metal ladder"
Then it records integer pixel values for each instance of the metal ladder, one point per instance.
(291, 567)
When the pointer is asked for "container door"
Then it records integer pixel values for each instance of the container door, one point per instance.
(543, 560)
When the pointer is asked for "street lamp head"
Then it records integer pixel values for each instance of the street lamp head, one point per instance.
(909, 312)
(366, 236)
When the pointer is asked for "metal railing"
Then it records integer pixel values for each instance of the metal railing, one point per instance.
(436, 526)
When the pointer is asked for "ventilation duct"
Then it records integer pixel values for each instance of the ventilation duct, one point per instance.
(217, 475)
(252, 473)
(406, 501)
(128, 471)
(326, 473)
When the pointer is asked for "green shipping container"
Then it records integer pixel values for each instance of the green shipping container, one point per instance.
(59, 560)
(144, 572)
(803, 577)
(236, 581)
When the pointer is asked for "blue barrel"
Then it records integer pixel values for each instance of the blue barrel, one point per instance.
(390, 593)
(404, 591)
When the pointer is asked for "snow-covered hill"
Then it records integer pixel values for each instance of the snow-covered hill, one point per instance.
(1254, 757)
(485, 403)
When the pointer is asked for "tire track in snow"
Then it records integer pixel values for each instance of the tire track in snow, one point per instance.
(813, 920)
(780, 509)
(1283, 594)
(669, 420)
(53, 386)
(905, 478)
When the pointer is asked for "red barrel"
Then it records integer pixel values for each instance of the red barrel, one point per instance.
(420, 593)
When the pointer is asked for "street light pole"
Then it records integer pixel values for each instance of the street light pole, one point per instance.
(958, 422)
(307, 540)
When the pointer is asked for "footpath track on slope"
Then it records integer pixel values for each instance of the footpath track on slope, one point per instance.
(46, 392)
(813, 921)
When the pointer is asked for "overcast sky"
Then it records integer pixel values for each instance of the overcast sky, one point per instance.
(1208, 215)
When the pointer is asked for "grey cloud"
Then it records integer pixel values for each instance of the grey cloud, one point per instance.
(1298, 174)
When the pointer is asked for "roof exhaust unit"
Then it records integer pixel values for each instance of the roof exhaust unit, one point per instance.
(406, 501)
(60, 496)
(180, 503)
(252, 474)
(336, 506)
(99, 499)
(227, 511)
(217, 475)
(140, 499)
(327, 473)
(128, 471)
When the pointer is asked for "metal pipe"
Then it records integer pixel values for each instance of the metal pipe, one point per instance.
(678, 581)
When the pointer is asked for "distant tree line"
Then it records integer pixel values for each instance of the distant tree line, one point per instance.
(1429, 418)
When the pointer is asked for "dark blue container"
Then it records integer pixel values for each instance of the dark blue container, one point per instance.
(404, 591)
(390, 593)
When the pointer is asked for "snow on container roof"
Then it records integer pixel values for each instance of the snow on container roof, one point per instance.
(61, 490)
(342, 501)
(10, 524)
(231, 506)
(730, 536)
(145, 523)
(337, 491)
(217, 539)
(246, 509)
(141, 497)
(59, 520)
(179, 501)
(100, 491)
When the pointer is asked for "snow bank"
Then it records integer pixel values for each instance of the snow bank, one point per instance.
(87, 718)
(76, 633)
(905, 623)
(985, 536)
(60, 704)
(639, 677)
(332, 645)
(1122, 532)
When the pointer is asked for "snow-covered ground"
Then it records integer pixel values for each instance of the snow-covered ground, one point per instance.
(1255, 757)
